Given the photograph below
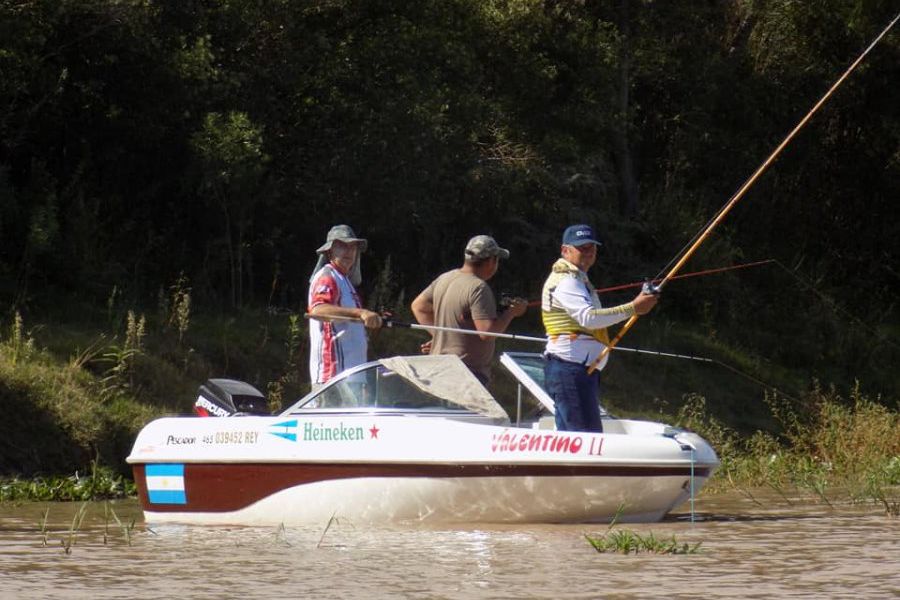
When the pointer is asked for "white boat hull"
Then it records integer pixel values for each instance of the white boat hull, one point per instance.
(370, 469)
(454, 500)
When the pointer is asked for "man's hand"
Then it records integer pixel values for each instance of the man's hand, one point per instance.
(426, 347)
(372, 320)
(517, 307)
(643, 303)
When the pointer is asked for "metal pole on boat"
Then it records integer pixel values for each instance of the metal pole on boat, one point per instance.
(704, 234)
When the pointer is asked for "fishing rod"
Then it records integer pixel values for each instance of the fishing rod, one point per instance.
(389, 322)
(702, 236)
(626, 286)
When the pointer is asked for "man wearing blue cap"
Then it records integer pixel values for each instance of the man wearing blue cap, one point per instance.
(576, 323)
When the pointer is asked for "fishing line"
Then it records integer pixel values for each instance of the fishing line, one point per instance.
(690, 242)
(698, 240)
(504, 301)
(833, 305)
(726, 366)
(686, 275)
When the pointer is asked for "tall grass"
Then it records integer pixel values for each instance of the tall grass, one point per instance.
(80, 391)
(57, 414)
(831, 446)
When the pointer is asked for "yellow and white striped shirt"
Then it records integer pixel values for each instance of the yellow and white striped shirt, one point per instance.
(573, 317)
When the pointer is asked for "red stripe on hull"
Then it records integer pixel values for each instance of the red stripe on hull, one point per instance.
(227, 487)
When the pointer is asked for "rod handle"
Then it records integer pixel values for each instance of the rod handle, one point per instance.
(628, 324)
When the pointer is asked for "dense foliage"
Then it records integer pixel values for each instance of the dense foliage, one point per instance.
(213, 142)
(831, 446)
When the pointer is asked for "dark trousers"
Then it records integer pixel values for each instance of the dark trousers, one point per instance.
(575, 394)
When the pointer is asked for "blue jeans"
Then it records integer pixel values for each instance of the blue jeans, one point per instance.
(574, 393)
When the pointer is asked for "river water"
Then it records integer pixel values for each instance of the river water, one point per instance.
(764, 548)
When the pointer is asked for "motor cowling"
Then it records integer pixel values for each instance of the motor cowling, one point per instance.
(229, 397)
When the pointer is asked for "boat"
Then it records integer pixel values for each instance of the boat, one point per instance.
(409, 439)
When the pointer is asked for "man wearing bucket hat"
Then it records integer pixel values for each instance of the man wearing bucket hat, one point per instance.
(337, 345)
(462, 299)
(576, 323)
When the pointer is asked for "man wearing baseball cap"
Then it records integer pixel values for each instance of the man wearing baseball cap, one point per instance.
(576, 323)
(337, 345)
(462, 299)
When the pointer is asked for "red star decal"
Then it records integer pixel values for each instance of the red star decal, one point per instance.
(374, 431)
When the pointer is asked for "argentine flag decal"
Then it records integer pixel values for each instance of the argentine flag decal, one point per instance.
(286, 430)
(165, 484)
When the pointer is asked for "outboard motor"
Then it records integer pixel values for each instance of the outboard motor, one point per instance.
(229, 397)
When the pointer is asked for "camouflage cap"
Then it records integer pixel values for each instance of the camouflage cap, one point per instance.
(484, 246)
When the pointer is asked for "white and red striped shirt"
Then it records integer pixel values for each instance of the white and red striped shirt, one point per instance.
(334, 345)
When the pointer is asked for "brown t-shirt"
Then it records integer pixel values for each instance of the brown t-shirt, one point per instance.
(458, 299)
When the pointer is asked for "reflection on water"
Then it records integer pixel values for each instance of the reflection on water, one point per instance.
(748, 550)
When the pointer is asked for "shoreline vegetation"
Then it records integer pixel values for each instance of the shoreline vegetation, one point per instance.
(83, 411)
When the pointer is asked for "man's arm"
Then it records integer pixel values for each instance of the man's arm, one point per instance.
(499, 325)
(370, 319)
(574, 298)
(423, 308)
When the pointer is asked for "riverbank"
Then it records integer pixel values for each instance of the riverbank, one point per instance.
(75, 396)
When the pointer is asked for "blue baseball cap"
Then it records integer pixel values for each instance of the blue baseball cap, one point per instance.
(579, 235)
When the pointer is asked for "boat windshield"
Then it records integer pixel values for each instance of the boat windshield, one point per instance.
(378, 387)
(440, 382)
(528, 369)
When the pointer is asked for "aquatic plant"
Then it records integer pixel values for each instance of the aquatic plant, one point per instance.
(281, 535)
(43, 525)
(629, 542)
(69, 541)
(102, 483)
(126, 529)
(327, 527)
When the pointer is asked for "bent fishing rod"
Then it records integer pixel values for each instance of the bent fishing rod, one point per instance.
(705, 233)
(389, 322)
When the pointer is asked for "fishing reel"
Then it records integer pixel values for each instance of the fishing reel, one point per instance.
(387, 317)
(650, 288)
(507, 300)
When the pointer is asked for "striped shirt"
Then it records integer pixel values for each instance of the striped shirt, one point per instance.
(573, 317)
(334, 345)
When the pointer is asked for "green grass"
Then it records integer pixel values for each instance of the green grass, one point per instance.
(831, 447)
(72, 394)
